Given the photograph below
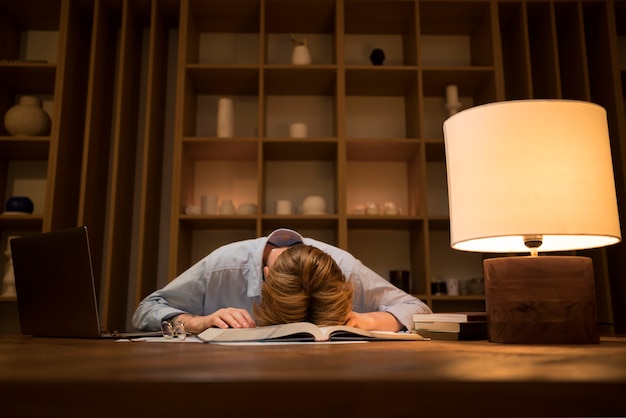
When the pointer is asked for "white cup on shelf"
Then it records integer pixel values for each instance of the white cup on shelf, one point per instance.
(208, 203)
(298, 130)
(284, 207)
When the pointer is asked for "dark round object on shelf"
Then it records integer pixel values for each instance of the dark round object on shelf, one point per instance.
(378, 56)
(19, 204)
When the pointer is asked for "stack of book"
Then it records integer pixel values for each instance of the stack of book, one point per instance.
(452, 325)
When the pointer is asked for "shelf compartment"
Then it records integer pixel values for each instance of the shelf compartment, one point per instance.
(206, 84)
(469, 23)
(476, 86)
(388, 25)
(318, 112)
(224, 167)
(228, 48)
(310, 177)
(385, 171)
(446, 262)
(313, 20)
(382, 103)
(215, 25)
(384, 249)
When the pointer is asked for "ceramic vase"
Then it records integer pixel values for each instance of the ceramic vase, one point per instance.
(314, 205)
(227, 207)
(300, 55)
(27, 118)
(225, 118)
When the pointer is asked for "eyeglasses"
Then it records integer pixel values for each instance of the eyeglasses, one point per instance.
(170, 331)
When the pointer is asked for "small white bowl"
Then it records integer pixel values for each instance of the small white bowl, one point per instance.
(246, 209)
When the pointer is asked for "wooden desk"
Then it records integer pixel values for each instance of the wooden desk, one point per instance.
(89, 378)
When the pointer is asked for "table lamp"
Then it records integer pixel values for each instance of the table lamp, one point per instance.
(533, 176)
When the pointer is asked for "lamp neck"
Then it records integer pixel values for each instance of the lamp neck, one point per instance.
(533, 242)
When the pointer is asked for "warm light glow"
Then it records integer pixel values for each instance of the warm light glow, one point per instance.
(530, 167)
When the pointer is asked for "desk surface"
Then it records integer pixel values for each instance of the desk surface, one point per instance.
(41, 376)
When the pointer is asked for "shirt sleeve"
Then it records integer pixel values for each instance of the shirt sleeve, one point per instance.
(372, 293)
(185, 294)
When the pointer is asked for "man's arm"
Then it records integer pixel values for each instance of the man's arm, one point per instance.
(381, 321)
(222, 318)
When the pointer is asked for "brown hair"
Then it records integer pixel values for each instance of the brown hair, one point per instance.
(304, 284)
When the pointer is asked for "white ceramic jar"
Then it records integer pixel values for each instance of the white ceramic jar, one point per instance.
(27, 118)
(314, 205)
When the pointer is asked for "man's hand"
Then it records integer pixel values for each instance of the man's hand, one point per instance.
(222, 318)
(381, 321)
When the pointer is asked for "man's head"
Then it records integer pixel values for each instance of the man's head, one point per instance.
(303, 283)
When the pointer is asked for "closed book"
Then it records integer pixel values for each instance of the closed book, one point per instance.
(450, 317)
(478, 326)
(459, 336)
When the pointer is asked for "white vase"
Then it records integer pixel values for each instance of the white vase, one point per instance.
(27, 118)
(300, 55)
(227, 207)
(225, 118)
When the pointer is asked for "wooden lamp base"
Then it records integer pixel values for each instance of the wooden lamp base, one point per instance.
(541, 300)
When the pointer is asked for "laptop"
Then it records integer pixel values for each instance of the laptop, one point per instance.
(56, 295)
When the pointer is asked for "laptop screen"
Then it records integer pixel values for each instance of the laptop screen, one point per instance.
(55, 286)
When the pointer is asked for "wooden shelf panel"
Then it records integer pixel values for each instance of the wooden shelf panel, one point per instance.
(222, 149)
(28, 78)
(223, 80)
(382, 150)
(300, 150)
(315, 80)
(383, 81)
(300, 222)
(221, 222)
(384, 222)
(24, 148)
(20, 222)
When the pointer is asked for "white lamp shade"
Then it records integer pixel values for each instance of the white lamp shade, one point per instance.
(530, 167)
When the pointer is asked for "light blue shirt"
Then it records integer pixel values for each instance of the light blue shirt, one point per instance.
(231, 277)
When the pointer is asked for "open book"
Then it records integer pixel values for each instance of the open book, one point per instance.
(302, 331)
